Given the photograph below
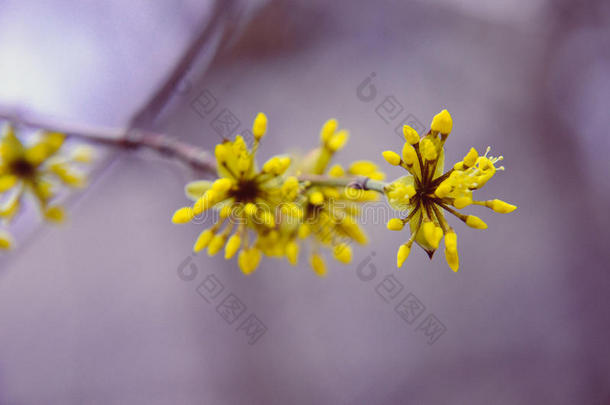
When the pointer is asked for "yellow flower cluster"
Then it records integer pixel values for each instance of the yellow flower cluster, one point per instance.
(247, 199)
(331, 210)
(36, 169)
(427, 191)
(279, 208)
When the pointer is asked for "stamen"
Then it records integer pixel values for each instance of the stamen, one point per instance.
(411, 214)
(405, 249)
(461, 216)
(441, 220)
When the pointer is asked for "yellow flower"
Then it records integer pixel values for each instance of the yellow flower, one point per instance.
(330, 212)
(6, 240)
(426, 192)
(37, 169)
(246, 198)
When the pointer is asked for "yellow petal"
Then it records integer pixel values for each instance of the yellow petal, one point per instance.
(391, 157)
(195, 189)
(222, 185)
(267, 218)
(205, 202)
(362, 167)
(328, 129)
(428, 229)
(217, 242)
(11, 147)
(427, 149)
(502, 207)
(304, 231)
(183, 215)
(249, 260)
(226, 211)
(7, 182)
(37, 153)
(10, 207)
(6, 240)
(222, 153)
(452, 259)
(395, 224)
(67, 175)
(292, 252)
(336, 171)
(250, 209)
(409, 156)
(471, 157)
(316, 198)
(83, 154)
(284, 164)
(462, 202)
(232, 246)
(259, 127)
(451, 241)
(403, 253)
(55, 214)
(442, 122)
(475, 222)
(272, 165)
(318, 265)
(343, 253)
(290, 188)
(410, 135)
(203, 240)
(54, 140)
(443, 189)
(338, 140)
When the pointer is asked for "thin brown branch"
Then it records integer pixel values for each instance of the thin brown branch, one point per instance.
(358, 183)
(194, 156)
(159, 99)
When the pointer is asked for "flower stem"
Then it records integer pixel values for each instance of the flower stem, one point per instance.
(360, 183)
(194, 156)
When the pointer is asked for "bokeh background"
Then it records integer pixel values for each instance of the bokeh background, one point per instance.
(95, 311)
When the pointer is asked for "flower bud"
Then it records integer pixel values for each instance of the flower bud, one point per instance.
(410, 134)
(442, 122)
(391, 157)
(475, 222)
(259, 127)
(395, 224)
(328, 129)
(403, 253)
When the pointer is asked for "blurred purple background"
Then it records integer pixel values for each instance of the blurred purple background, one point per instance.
(95, 312)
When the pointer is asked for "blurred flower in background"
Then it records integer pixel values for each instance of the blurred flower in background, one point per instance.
(36, 169)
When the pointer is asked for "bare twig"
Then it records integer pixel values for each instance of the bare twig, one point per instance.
(196, 157)
(152, 108)
(358, 183)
